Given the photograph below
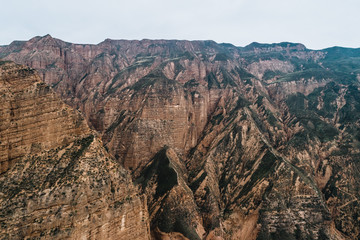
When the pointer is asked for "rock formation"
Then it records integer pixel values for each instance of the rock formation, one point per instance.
(223, 142)
(57, 181)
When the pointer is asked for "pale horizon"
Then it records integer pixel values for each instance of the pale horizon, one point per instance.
(317, 25)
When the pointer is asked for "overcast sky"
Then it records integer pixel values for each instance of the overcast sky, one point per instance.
(316, 23)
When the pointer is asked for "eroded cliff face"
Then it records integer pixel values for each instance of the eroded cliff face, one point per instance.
(259, 142)
(142, 79)
(57, 181)
(32, 116)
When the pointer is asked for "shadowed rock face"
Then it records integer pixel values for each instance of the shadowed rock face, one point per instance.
(57, 181)
(259, 142)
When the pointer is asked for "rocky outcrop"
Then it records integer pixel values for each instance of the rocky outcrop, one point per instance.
(57, 181)
(257, 142)
(32, 116)
(171, 202)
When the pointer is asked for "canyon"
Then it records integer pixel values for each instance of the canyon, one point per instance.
(168, 139)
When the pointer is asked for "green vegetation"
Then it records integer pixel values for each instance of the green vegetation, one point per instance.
(111, 89)
(268, 74)
(245, 75)
(254, 45)
(255, 57)
(267, 164)
(125, 72)
(217, 119)
(191, 83)
(144, 60)
(155, 77)
(83, 144)
(86, 74)
(299, 140)
(118, 204)
(240, 103)
(259, 100)
(270, 118)
(143, 83)
(259, 123)
(307, 74)
(4, 62)
(61, 170)
(350, 112)
(26, 72)
(313, 125)
(329, 93)
(342, 59)
(228, 80)
(187, 55)
(212, 81)
(221, 57)
(52, 65)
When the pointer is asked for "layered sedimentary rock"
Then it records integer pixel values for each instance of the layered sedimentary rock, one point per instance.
(172, 207)
(32, 116)
(259, 142)
(57, 181)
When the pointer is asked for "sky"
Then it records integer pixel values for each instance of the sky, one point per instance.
(316, 23)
